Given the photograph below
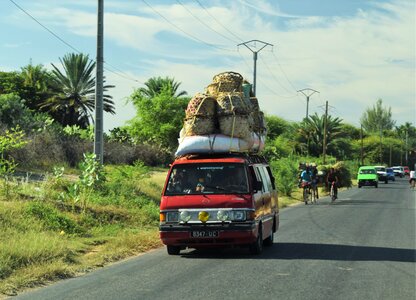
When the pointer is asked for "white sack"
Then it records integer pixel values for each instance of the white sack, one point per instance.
(213, 143)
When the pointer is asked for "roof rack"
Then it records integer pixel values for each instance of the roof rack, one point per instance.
(251, 158)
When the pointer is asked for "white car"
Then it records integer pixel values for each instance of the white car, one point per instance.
(398, 171)
(381, 173)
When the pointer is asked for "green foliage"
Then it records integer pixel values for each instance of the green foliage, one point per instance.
(91, 178)
(310, 134)
(13, 82)
(278, 148)
(53, 219)
(14, 112)
(159, 119)
(276, 126)
(377, 118)
(155, 85)
(73, 100)
(37, 80)
(11, 139)
(285, 171)
(84, 134)
(120, 135)
(384, 151)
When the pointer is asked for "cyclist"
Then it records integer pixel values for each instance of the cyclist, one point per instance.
(306, 179)
(412, 179)
(332, 178)
(314, 179)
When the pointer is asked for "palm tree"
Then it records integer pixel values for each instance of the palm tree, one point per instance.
(311, 132)
(75, 92)
(155, 85)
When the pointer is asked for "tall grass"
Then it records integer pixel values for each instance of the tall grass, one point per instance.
(42, 238)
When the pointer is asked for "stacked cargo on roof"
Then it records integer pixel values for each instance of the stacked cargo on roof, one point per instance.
(225, 118)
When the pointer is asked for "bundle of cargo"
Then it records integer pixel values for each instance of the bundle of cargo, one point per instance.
(224, 119)
(200, 115)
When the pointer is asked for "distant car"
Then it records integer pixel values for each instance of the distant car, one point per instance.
(390, 174)
(406, 171)
(398, 171)
(367, 175)
(381, 173)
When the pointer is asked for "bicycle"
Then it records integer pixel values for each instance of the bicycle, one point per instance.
(332, 192)
(306, 191)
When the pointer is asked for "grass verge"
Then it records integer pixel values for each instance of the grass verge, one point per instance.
(46, 236)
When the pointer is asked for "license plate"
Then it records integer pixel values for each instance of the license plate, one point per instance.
(205, 234)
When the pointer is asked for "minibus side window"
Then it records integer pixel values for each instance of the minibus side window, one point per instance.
(273, 180)
(267, 185)
(258, 177)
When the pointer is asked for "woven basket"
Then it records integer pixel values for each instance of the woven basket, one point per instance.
(238, 126)
(201, 105)
(228, 82)
(199, 125)
(231, 103)
(259, 124)
(212, 89)
(255, 103)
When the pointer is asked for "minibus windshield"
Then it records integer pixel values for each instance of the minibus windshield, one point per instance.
(207, 178)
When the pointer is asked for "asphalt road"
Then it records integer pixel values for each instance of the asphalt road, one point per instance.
(362, 246)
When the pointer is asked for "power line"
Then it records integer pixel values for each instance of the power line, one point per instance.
(204, 23)
(272, 74)
(263, 83)
(119, 73)
(218, 22)
(281, 69)
(44, 27)
(183, 31)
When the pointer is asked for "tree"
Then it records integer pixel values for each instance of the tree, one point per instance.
(12, 110)
(377, 118)
(75, 92)
(155, 85)
(159, 118)
(36, 80)
(276, 126)
(311, 133)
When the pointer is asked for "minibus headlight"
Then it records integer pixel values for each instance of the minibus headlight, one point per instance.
(185, 216)
(172, 216)
(223, 215)
(239, 215)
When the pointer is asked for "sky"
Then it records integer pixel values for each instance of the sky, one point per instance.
(352, 52)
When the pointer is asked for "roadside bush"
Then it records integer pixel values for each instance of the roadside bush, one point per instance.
(43, 150)
(52, 218)
(285, 171)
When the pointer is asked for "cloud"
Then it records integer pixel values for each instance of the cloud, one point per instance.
(266, 8)
(352, 60)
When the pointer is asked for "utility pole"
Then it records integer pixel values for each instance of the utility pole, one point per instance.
(98, 129)
(362, 146)
(405, 149)
(390, 154)
(325, 126)
(307, 93)
(381, 144)
(251, 45)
